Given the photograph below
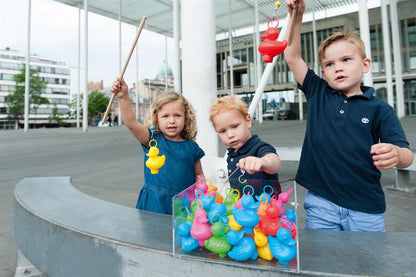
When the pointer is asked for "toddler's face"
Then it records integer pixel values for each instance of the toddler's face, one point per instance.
(171, 120)
(232, 128)
(343, 66)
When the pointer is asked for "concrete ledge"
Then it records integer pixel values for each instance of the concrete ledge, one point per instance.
(403, 180)
(64, 232)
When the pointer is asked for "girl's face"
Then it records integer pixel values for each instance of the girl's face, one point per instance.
(232, 128)
(171, 120)
(342, 67)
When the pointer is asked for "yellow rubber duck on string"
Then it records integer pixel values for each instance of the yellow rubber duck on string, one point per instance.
(154, 162)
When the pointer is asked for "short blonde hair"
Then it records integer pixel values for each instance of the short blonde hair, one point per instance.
(228, 103)
(190, 127)
(342, 35)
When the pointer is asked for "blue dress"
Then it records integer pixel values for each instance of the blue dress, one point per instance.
(177, 174)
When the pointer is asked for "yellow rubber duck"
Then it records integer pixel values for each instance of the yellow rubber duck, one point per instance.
(154, 162)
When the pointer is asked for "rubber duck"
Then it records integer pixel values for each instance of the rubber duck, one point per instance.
(220, 210)
(270, 47)
(218, 242)
(285, 196)
(270, 223)
(283, 246)
(184, 231)
(201, 185)
(247, 216)
(244, 247)
(154, 162)
(201, 229)
(262, 245)
(234, 224)
(229, 201)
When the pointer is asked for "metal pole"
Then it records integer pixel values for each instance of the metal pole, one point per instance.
(397, 59)
(137, 79)
(85, 102)
(387, 52)
(27, 72)
(119, 54)
(166, 62)
(365, 36)
(258, 59)
(230, 49)
(177, 59)
(79, 66)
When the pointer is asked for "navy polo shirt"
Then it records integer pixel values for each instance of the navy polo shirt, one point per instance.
(257, 148)
(336, 162)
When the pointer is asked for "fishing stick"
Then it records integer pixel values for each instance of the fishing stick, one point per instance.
(124, 68)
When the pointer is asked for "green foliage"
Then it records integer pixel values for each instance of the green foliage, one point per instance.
(16, 100)
(97, 103)
(72, 107)
(56, 117)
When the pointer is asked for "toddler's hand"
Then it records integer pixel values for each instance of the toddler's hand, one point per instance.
(119, 88)
(385, 155)
(250, 164)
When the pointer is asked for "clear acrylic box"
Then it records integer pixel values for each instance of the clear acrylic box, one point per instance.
(191, 239)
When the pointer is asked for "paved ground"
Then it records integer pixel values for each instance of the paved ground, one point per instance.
(107, 163)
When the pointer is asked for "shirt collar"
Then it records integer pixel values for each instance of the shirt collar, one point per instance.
(246, 147)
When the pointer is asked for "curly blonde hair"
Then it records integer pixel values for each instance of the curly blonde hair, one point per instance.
(228, 103)
(190, 127)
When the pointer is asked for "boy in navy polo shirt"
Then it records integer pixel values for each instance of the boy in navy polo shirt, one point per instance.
(350, 136)
(232, 122)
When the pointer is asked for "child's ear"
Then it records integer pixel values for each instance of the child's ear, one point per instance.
(367, 65)
(248, 118)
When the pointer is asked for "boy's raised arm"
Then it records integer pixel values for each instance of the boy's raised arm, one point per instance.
(293, 54)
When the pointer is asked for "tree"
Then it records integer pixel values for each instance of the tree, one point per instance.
(56, 117)
(16, 100)
(97, 103)
(72, 107)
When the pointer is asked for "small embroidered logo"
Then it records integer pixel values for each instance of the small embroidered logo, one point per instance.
(365, 120)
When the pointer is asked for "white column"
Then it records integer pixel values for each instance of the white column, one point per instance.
(85, 102)
(387, 52)
(166, 63)
(199, 72)
(137, 79)
(177, 54)
(27, 72)
(365, 36)
(79, 66)
(230, 49)
(259, 64)
(119, 57)
(397, 58)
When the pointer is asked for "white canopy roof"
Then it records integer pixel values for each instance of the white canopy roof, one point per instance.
(239, 13)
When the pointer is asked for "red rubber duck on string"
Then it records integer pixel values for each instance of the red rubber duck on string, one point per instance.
(271, 47)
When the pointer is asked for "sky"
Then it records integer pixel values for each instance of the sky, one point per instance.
(54, 35)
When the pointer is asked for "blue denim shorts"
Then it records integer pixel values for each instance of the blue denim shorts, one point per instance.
(324, 215)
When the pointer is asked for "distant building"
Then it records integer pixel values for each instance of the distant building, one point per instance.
(282, 83)
(55, 73)
(148, 90)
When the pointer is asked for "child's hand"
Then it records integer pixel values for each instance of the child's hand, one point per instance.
(292, 4)
(119, 88)
(385, 155)
(251, 164)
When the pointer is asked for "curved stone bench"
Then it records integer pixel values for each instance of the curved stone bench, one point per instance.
(64, 232)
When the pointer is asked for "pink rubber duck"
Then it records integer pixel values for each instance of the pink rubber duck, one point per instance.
(201, 229)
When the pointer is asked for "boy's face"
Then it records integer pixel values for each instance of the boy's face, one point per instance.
(232, 128)
(342, 67)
